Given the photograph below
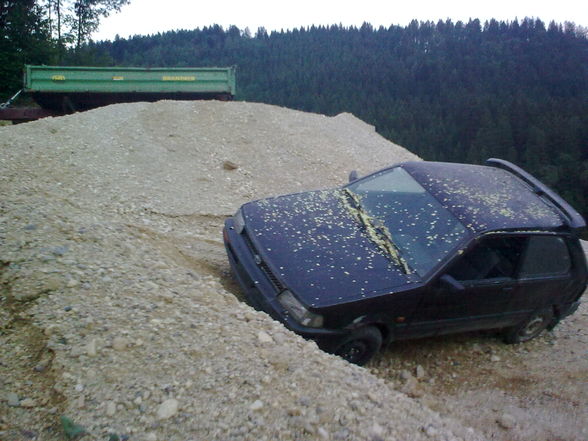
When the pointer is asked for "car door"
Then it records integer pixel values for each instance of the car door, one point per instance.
(486, 273)
(544, 276)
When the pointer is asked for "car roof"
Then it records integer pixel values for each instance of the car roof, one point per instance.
(485, 198)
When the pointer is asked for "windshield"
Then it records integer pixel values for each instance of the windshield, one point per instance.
(422, 230)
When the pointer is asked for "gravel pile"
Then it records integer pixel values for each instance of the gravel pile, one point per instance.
(117, 313)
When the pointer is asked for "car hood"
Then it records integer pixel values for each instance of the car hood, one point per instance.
(317, 248)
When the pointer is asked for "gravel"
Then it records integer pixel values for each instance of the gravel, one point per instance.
(114, 280)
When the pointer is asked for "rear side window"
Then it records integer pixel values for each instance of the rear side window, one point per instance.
(545, 256)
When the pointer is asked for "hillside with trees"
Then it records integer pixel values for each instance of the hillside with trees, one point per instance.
(449, 91)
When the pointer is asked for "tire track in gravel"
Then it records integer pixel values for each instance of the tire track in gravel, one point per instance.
(203, 254)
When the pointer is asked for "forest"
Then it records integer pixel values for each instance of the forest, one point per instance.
(449, 91)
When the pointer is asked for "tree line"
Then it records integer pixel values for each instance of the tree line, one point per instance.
(450, 91)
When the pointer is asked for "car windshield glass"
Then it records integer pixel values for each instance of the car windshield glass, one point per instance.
(421, 229)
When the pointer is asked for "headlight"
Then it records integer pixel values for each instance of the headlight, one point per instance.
(239, 221)
(299, 311)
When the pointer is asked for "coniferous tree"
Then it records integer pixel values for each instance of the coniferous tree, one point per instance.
(450, 91)
(24, 38)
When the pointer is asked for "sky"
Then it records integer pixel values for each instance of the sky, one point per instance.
(142, 17)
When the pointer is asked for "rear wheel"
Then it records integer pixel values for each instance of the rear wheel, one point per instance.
(530, 328)
(360, 346)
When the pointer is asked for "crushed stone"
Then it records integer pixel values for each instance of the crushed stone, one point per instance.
(113, 278)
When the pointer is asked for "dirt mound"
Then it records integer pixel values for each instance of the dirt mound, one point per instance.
(116, 309)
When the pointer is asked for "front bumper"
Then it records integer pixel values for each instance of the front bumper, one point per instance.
(262, 293)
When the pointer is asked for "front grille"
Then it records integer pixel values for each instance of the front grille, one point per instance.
(249, 243)
(277, 284)
(279, 287)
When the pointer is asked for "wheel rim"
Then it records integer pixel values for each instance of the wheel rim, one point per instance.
(534, 327)
(353, 351)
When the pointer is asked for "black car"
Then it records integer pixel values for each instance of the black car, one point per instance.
(414, 250)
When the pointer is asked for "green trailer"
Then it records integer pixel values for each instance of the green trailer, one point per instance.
(68, 89)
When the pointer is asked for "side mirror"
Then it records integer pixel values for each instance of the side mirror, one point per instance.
(353, 176)
(451, 283)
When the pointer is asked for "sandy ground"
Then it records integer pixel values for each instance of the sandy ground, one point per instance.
(117, 309)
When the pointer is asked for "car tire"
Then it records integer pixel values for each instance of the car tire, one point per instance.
(529, 328)
(360, 346)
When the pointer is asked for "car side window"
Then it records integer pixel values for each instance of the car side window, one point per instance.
(493, 257)
(546, 256)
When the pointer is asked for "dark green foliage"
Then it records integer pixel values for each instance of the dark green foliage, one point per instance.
(86, 16)
(447, 91)
(24, 38)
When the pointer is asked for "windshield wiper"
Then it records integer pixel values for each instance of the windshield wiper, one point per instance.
(380, 234)
(392, 248)
(361, 214)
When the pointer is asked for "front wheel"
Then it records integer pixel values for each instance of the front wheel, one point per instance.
(360, 346)
(529, 328)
